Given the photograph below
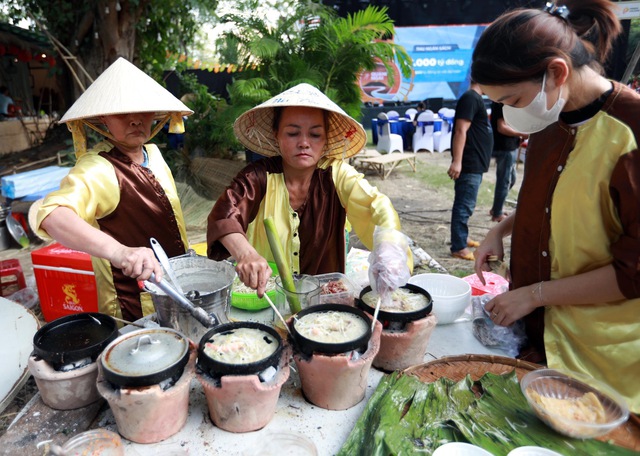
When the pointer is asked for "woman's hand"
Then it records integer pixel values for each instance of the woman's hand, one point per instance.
(492, 245)
(66, 227)
(251, 267)
(136, 262)
(510, 306)
(254, 271)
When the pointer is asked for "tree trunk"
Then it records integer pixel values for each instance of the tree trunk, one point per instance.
(112, 35)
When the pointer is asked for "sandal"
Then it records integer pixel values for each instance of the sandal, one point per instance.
(463, 255)
(472, 243)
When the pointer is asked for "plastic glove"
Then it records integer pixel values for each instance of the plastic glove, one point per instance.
(388, 262)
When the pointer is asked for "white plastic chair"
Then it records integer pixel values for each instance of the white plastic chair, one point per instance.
(442, 138)
(387, 142)
(393, 115)
(423, 137)
(410, 113)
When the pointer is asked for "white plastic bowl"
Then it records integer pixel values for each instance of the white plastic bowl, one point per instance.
(451, 295)
(460, 449)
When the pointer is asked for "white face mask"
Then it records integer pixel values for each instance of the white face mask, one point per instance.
(535, 116)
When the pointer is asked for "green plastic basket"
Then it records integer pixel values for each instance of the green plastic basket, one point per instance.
(250, 301)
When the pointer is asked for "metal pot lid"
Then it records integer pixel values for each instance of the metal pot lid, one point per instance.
(145, 352)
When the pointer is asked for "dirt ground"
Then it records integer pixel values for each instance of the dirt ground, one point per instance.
(424, 213)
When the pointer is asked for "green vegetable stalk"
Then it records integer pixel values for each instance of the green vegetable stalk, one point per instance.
(283, 266)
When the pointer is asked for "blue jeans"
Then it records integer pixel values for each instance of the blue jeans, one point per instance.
(464, 202)
(505, 178)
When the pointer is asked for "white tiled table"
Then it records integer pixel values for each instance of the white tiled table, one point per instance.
(327, 429)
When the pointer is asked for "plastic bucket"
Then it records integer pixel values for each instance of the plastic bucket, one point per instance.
(210, 280)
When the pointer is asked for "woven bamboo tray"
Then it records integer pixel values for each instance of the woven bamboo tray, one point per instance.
(457, 367)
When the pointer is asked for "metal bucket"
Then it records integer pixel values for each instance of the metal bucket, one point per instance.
(210, 280)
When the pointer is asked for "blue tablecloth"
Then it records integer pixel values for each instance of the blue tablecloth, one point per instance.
(402, 127)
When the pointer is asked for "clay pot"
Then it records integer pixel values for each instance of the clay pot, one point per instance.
(335, 382)
(242, 403)
(150, 414)
(387, 317)
(65, 390)
(73, 338)
(404, 348)
(308, 346)
(145, 357)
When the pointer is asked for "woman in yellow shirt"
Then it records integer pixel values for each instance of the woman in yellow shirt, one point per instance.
(305, 184)
(120, 193)
(575, 246)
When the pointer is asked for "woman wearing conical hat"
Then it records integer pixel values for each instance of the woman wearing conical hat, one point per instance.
(120, 193)
(306, 185)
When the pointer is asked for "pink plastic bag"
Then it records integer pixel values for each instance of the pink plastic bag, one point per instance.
(495, 284)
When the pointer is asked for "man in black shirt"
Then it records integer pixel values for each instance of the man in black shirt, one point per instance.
(505, 145)
(471, 146)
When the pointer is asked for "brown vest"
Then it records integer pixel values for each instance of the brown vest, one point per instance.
(144, 211)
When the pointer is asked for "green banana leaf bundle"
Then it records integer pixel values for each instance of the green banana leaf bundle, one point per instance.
(406, 416)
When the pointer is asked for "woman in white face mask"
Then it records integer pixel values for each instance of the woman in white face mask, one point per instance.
(575, 237)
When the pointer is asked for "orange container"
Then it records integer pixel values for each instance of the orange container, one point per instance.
(66, 282)
(11, 277)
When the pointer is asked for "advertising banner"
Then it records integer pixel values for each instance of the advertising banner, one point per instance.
(441, 58)
(627, 10)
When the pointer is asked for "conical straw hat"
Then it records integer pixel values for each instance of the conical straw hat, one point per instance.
(254, 128)
(123, 88)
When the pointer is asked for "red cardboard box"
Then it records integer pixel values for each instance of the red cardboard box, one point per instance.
(495, 284)
(11, 277)
(66, 282)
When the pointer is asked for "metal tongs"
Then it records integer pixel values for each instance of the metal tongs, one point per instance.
(208, 321)
(177, 294)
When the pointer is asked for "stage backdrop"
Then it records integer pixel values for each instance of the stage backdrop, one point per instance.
(441, 62)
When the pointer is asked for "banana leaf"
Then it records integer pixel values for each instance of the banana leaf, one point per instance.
(406, 416)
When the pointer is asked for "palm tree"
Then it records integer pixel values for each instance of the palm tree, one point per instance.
(313, 45)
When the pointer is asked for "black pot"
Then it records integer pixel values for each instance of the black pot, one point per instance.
(145, 357)
(403, 317)
(75, 337)
(216, 368)
(309, 346)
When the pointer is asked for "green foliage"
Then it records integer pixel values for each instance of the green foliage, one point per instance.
(168, 28)
(312, 45)
(209, 130)
(148, 32)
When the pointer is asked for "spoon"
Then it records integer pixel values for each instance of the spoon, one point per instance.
(375, 314)
(275, 309)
